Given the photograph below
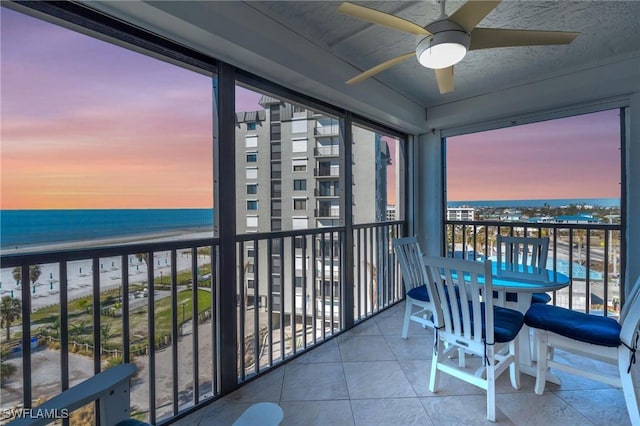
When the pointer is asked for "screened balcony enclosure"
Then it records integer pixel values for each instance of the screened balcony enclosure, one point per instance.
(288, 290)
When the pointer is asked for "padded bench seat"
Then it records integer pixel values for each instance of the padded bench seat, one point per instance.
(575, 325)
(592, 337)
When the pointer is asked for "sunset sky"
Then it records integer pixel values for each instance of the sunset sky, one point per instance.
(86, 124)
(575, 157)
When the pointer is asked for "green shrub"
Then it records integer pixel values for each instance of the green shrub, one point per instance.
(6, 371)
(113, 361)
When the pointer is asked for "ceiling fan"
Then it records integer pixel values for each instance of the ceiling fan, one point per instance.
(445, 41)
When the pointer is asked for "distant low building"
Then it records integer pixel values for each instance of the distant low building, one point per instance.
(581, 218)
(542, 219)
(461, 213)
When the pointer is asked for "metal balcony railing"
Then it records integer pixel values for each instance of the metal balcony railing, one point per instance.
(332, 192)
(326, 172)
(156, 305)
(327, 151)
(589, 254)
(328, 130)
(329, 213)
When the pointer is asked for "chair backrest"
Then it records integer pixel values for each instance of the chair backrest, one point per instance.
(456, 286)
(411, 262)
(522, 250)
(630, 315)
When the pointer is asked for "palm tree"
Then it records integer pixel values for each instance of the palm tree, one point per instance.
(17, 274)
(142, 257)
(55, 326)
(580, 234)
(78, 329)
(11, 311)
(34, 273)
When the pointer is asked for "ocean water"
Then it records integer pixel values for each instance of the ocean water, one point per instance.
(599, 202)
(20, 228)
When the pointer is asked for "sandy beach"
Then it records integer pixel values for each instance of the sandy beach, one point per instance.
(46, 290)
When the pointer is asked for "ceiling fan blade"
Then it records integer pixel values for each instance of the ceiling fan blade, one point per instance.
(487, 38)
(472, 12)
(381, 18)
(444, 77)
(379, 68)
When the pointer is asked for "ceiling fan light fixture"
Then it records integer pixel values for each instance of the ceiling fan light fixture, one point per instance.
(443, 49)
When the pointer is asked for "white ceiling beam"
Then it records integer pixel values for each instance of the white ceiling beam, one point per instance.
(616, 78)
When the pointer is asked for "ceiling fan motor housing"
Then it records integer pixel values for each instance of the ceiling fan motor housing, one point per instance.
(447, 45)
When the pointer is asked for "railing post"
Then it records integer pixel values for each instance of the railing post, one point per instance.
(224, 149)
(348, 288)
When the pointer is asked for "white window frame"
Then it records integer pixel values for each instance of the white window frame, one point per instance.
(252, 221)
(295, 219)
(299, 162)
(250, 171)
(305, 199)
(299, 144)
(251, 141)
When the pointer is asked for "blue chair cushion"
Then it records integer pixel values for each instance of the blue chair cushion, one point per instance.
(506, 324)
(419, 293)
(575, 325)
(540, 298)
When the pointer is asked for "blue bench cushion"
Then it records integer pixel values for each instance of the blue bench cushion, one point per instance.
(583, 327)
(419, 293)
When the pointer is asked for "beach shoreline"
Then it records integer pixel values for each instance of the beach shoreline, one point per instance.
(128, 239)
(45, 291)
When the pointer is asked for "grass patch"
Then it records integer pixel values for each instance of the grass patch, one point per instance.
(81, 318)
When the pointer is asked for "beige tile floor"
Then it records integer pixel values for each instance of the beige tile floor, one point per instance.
(371, 376)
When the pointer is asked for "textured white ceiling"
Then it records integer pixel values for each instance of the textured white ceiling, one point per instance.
(607, 29)
(310, 47)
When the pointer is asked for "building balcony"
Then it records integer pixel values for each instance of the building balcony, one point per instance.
(332, 192)
(326, 172)
(328, 130)
(327, 151)
(326, 213)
